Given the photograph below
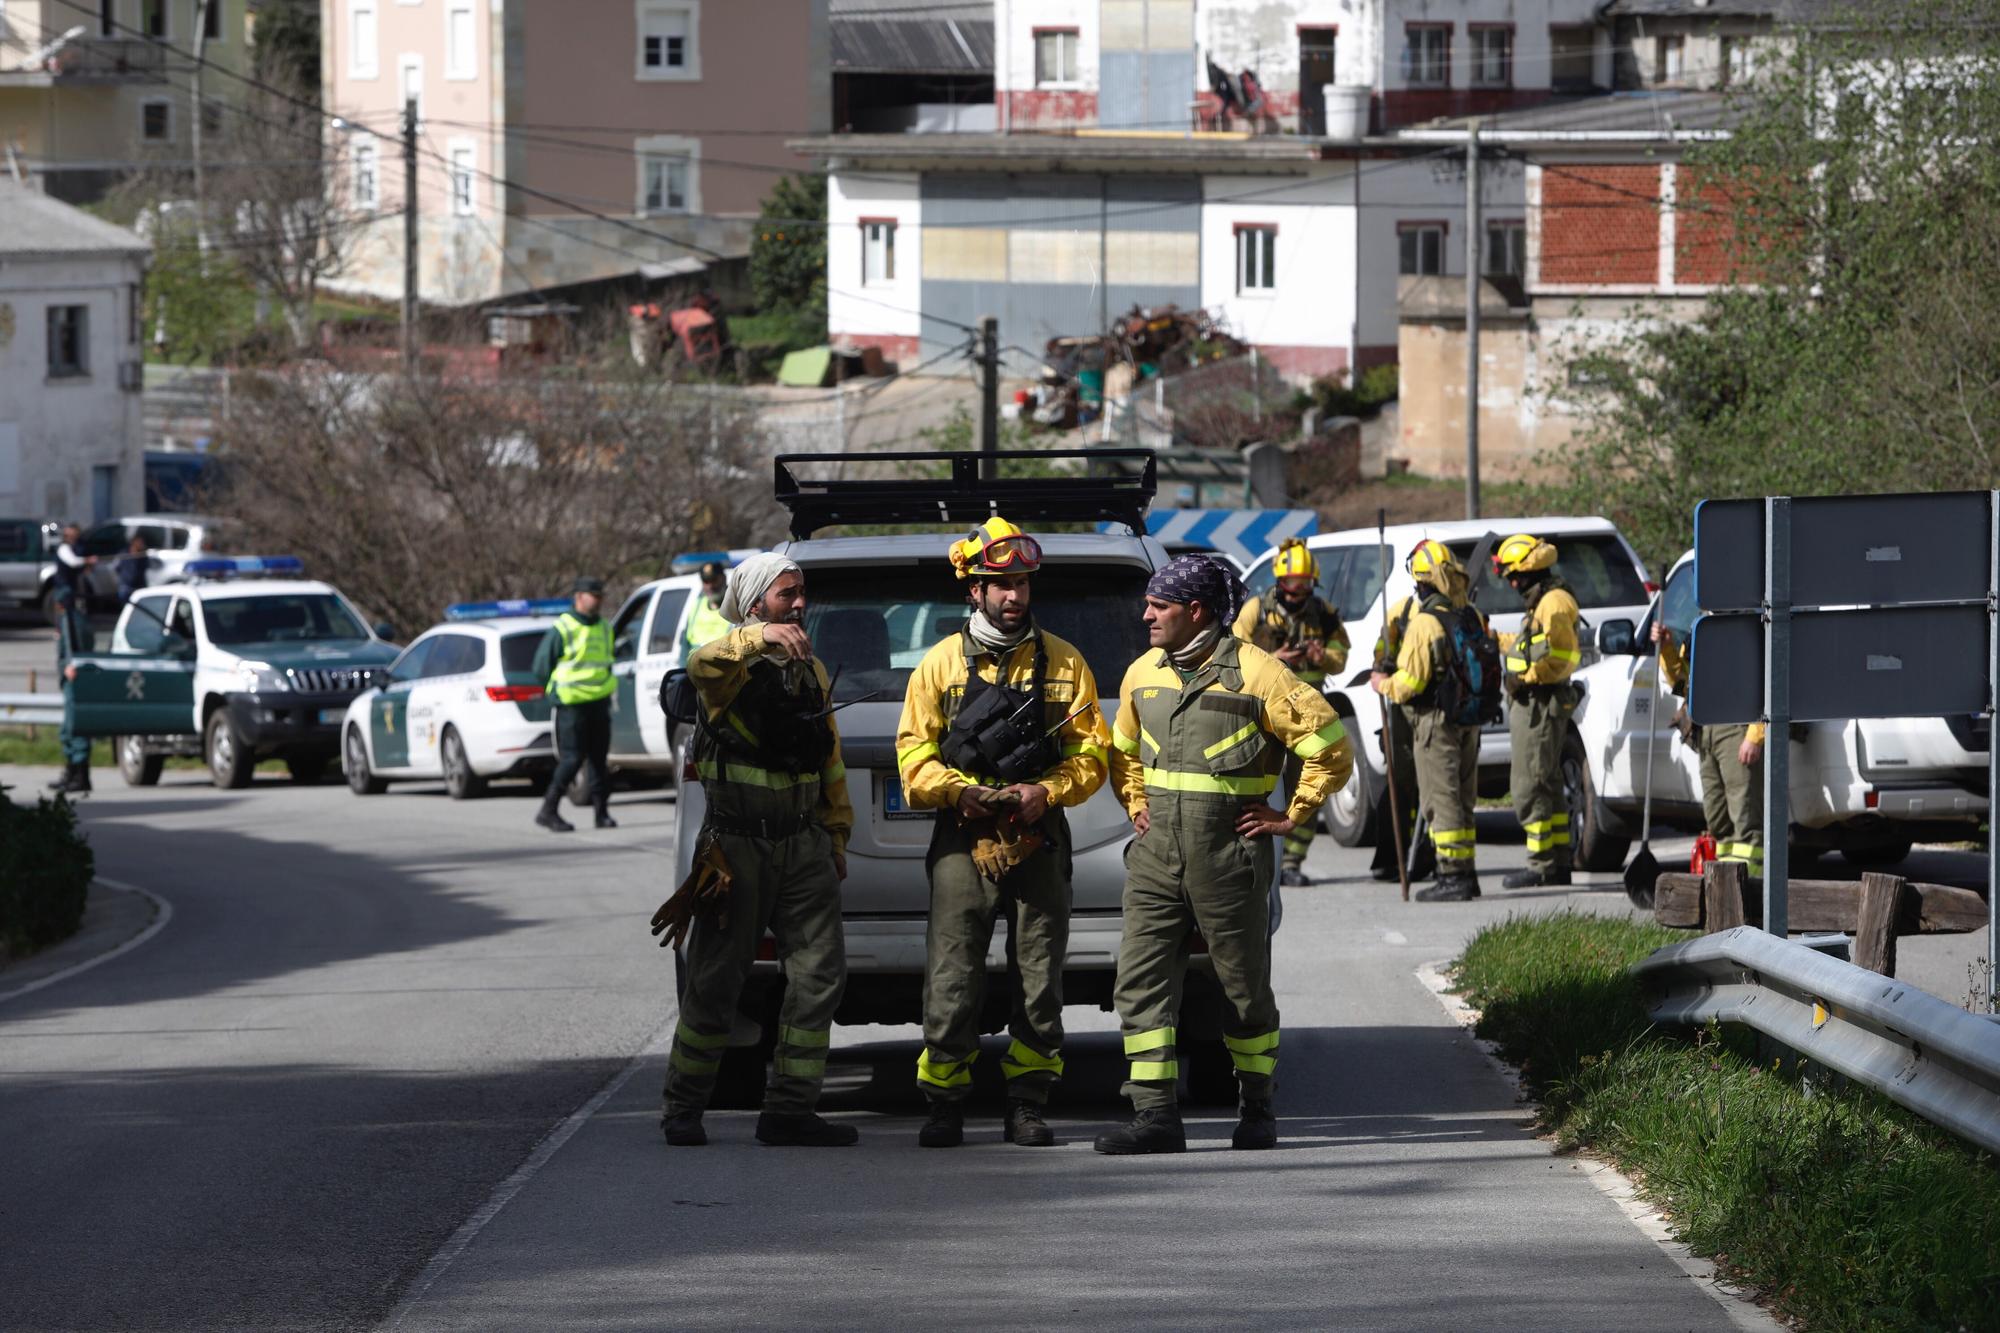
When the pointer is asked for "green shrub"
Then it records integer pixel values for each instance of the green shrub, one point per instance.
(45, 870)
(1335, 396)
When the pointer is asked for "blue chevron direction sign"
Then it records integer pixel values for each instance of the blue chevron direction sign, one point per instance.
(1242, 533)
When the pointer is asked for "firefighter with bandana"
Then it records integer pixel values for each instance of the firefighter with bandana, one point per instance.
(1297, 626)
(1000, 733)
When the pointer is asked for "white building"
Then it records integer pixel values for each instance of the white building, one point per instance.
(71, 432)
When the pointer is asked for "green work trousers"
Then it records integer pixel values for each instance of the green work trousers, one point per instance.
(1400, 753)
(1537, 721)
(964, 904)
(1732, 796)
(1300, 840)
(787, 886)
(1191, 871)
(1447, 780)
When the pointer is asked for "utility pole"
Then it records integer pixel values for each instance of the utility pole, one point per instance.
(409, 234)
(988, 358)
(1472, 239)
(201, 12)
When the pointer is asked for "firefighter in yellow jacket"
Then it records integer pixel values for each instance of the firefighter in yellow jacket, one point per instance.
(1297, 626)
(1001, 732)
(1446, 753)
(1205, 724)
(1538, 659)
(1732, 770)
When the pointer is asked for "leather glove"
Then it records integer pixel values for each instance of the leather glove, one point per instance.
(707, 887)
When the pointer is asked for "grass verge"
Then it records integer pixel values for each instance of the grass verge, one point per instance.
(45, 751)
(1846, 1210)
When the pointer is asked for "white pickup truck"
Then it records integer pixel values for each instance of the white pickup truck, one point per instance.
(1868, 789)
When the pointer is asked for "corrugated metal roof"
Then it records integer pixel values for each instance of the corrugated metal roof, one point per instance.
(31, 223)
(895, 45)
(1624, 114)
(911, 9)
(1796, 11)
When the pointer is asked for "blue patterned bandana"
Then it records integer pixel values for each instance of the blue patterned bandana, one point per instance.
(1199, 578)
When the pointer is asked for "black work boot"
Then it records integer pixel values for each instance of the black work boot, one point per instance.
(1025, 1125)
(64, 778)
(1531, 878)
(551, 819)
(1452, 887)
(79, 781)
(782, 1130)
(1293, 877)
(683, 1129)
(1155, 1129)
(945, 1128)
(1256, 1127)
(604, 819)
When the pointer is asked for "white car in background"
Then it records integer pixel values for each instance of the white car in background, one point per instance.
(1593, 557)
(171, 541)
(460, 703)
(1868, 789)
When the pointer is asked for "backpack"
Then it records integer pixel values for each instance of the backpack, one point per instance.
(1467, 689)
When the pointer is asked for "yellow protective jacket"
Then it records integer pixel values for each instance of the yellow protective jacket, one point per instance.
(719, 669)
(1674, 666)
(1544, 650)
(937, 688)
(1224, 730)
(1264, 622)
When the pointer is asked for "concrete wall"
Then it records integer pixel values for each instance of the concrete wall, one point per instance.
(54, 432)
(1702, 42)
(1305, 325)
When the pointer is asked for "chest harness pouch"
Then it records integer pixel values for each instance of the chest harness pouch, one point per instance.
(999, 731)
(775, 727)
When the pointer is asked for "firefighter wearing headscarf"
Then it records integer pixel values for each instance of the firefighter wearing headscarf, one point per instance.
(1297, 626)
(1205, 725)
(1001, 733)
(1446, 753)
(770, 858)
(1538, 659)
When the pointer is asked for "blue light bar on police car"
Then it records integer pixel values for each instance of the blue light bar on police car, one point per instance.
(222, 567)
(690, 561)
(517, 606)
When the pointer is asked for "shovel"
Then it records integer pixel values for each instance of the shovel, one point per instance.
(1644, 872)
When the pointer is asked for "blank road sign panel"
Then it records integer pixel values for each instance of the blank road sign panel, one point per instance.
(1849, 550)
(1915, 661)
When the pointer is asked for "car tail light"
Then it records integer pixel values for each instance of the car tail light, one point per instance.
(688, 773)
(1873, 800)
(513, 694)
(1651, 587)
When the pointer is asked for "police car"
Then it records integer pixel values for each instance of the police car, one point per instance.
(461, 703)
(247, 660)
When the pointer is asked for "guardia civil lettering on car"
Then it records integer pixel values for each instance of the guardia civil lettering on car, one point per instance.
(460, 704)
(246, 660)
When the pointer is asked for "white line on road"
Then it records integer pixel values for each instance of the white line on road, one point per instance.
(656, 1044)
(163, 912)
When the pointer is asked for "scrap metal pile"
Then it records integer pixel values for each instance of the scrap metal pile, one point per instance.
(1079, 375)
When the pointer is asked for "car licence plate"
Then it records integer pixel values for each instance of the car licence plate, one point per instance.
(330, 717)
(892, 802)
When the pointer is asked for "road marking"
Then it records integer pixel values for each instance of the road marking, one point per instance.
(163, 912)
(656, 1045)
(1740, 1307)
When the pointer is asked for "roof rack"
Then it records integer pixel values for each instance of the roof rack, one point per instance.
(1118, 489)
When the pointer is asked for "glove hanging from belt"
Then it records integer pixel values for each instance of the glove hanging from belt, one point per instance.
(706, 889)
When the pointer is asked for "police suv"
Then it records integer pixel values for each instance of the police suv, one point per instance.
(875, 606)
(460, 703)
(245, 661)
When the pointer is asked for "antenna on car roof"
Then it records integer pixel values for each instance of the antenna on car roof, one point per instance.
(1116, 486)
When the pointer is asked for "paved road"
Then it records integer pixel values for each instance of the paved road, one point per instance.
(364, 1016)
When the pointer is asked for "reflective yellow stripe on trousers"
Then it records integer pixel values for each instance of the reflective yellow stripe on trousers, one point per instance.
(1454, 844)
(1546, 833)
(1151, 1043)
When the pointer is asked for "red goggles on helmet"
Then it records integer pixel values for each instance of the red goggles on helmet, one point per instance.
(1011, 555)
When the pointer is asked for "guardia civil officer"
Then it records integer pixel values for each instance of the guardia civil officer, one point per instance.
(73, 636)
(1205, 724)
(1000, 733)
(1732, 770)
(708, 624)
(575, 662)
(1446, 753)
(1299, 628)
(776, 826)
(1538, 660)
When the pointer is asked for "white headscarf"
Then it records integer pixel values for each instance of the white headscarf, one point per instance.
(749, 581)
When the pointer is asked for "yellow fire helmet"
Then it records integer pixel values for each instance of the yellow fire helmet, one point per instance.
(1429, 560)
(995, 548)
(1295, 558)
(1522, 554)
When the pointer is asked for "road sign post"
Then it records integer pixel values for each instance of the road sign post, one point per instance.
(1777, 711)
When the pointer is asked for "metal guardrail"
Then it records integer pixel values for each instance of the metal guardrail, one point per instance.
(1938, 1060)
(31, 710)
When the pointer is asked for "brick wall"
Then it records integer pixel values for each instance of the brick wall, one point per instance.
(1600, 224)
(1704, 231)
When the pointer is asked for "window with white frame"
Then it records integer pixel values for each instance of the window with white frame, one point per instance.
(365, 170)
(461, 41)
(362, 58)
(1669, 53)
(410, 83)
(878, 251)
(1055, 57)
(156, 120)
(669, 39)
(1421, 248)
(1739, 61)
(1492, 57)
(664, 183)
(1427, 55)
(1256, 258)
(464, 162)
(1506, 250)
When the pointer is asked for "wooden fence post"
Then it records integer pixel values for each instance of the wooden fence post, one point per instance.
(1875, 923)
(1722, 896)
